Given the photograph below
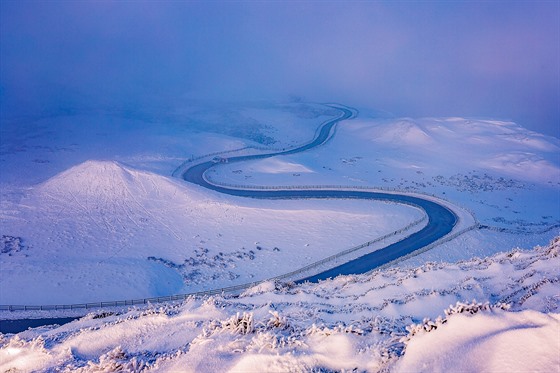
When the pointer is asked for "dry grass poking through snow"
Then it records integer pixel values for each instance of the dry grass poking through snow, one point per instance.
(384, 321)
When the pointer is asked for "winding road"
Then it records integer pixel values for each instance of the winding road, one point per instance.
(441, 220)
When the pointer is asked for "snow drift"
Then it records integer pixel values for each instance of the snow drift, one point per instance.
(387, 320)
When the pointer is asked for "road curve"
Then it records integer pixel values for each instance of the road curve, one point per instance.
(441, 220)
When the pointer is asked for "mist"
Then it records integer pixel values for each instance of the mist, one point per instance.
(474, 59)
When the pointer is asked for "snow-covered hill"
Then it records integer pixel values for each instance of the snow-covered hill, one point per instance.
(391, 320)
(101, 223)
(508, 176)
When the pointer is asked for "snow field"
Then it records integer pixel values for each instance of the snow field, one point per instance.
(155, 139)
(101, 222)
(95, 217)
(494, 169)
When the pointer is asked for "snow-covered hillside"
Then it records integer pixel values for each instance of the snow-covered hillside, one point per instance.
(101, 223)
(395, 319)
(87, 199)
(508, 176)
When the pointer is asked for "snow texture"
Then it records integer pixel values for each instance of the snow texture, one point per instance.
(376, 322)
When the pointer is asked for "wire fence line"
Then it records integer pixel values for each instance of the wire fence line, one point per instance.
(236, 288)
(441, 241)
(348, 251)
(229, 289)
(209, 180)
(179, 169)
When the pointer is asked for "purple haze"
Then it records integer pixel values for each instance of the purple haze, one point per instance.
(496, 59)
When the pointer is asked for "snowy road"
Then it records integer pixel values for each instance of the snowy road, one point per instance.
(441, 220)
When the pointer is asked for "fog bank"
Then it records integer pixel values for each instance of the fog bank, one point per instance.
(496, 59)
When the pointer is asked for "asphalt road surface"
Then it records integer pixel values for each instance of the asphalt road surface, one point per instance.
(441, 220)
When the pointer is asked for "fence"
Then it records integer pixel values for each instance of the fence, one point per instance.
(269, 149)
(441, 241)
(190, 160)
(236, 288)
(230, 289)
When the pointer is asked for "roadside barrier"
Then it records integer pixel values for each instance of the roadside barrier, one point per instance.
(237, 288)
(290, 275)
(229, 289)
(441, 241)
(179, 169)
